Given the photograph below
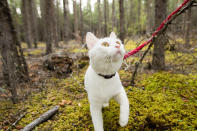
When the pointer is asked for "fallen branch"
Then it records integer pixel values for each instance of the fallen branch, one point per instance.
(189, 5)
(138, 63)
(41, 119)
(14, 124)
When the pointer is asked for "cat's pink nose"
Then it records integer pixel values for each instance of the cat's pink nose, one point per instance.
(117, 46)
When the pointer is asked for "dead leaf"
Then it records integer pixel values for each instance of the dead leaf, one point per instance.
(65, 102)
(52, 98)
(19, 127)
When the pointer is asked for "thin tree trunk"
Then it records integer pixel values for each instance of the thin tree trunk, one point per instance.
(56, 23)
(14, 64)
(187, 27)
(121, 11)
(75, 17)
(99, 18)
(148, 15)
(66, 20)
(105, 17)
(49, 25)
(158, 61)
(33, 16)
(81, 21)
(139, 15)
(113, 14)
(132, 16)
(58, 19)
(43, 31)
(15, 17)
(27, 23)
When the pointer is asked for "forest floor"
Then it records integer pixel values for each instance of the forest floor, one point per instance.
(164, 100)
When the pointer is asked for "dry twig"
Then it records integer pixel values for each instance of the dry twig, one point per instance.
(189, 5)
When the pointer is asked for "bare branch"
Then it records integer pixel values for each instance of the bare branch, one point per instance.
(189, 5)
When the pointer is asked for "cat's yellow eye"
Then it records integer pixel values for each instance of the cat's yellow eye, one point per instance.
(106, 44)
(117, 42)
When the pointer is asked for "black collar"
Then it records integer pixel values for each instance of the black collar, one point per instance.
(107, 76)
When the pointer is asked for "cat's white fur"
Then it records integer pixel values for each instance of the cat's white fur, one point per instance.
(105, 61)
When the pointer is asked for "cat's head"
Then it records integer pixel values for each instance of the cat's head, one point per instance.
(106, 54)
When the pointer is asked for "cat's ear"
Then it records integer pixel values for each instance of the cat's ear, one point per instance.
(91, 40)
(112, 35)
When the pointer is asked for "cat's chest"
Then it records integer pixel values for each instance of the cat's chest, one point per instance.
(101, 87)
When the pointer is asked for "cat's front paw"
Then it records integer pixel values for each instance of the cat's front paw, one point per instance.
(123, 122)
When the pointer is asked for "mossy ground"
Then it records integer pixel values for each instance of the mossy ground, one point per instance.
(159, 101)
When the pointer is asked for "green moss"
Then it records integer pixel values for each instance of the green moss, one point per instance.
(168, 102)
(79, 50)
(130, 45)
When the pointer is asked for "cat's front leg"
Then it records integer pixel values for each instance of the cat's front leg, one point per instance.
(97, 118)
(122, 99)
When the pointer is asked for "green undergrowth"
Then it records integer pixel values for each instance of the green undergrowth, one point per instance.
(159, 101)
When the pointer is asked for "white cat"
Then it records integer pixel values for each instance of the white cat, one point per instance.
(102, 81)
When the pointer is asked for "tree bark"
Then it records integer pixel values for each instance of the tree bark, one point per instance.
(158, 62)
(187, 28)
(105, 17)
(16, 19)
(99, 18)
(121, 11)
(139, 15)
(132, 16)
(49, 23)
(43, 21)
(66, 20)
(81, 21)
(27, 22)
(56, 23)
(14, 64)
(75, 18)
(33, 15)
(148, 15)
(113, 15)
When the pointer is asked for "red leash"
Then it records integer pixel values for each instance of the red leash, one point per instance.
(155, 33)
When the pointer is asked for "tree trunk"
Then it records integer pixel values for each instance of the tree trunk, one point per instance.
(75, 18)
(132, 16)
(99, 18)
(121, 11)
(66, 20)
(158, 61)
(16, 20)
(81, 21)
(14, 64)
(105, 17)
(187, 27)
(27, 22)
(33, 16)
(148, 15)
(56, 23)
(113, 15)
(139, 15)
(43, 31)
(49, 23)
